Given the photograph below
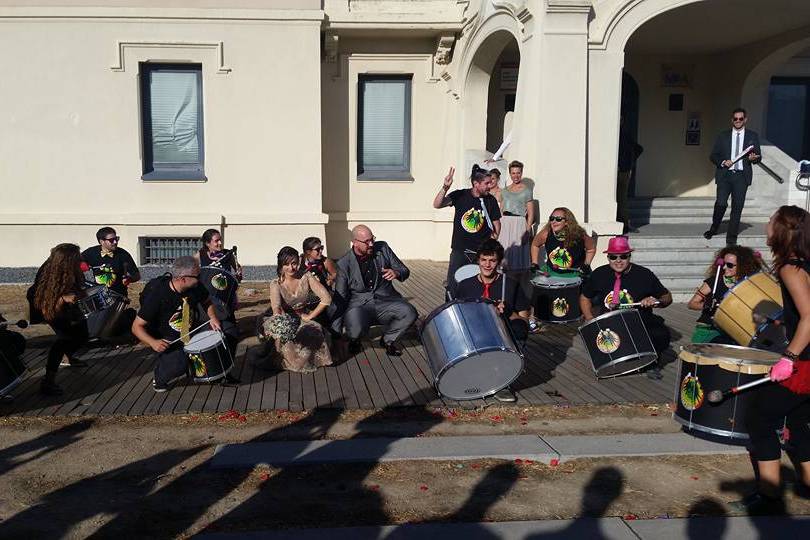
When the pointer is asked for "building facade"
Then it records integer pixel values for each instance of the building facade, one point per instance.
(281, 119)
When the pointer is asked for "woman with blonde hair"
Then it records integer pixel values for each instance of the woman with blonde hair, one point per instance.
(517, 218)
(53, 299)
(569, 249)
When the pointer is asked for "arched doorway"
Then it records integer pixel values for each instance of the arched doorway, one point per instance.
(490, 93)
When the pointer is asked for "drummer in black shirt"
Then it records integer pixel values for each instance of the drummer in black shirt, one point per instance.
(160, 319)
(511, 303)
(636, 285)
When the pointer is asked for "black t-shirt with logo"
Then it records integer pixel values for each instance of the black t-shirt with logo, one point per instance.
(110, 270)
(472, 289)
(470, 226)
(560, 258)
(707, 313)
(637, 283)
(162, 307)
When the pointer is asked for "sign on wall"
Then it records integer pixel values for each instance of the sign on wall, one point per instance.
(693, 128)
(677, 75)
(509, 77)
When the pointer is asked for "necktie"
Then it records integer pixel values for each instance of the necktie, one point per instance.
(738, 165)
(485, 294)
(185, 322)
(617, 287)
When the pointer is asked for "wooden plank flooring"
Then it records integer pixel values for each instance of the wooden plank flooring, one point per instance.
(558, 372)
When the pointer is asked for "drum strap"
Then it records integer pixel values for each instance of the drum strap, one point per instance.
(185, 322)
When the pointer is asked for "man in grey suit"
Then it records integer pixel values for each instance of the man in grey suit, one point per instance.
(734, 172)
(365, 280)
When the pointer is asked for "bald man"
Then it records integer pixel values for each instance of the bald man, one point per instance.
(365, 280)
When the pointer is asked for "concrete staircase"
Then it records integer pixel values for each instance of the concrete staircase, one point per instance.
(670, 238)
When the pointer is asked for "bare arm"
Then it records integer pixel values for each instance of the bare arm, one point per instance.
(529, 214)
(538, 241)
(441, 200)
(331, 270)
(213, 320)
(586, 307)
(139, 331)
(698, 300)
(275, 298)
(798, 285)
(496, 225)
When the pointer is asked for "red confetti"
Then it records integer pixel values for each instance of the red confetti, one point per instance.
(475, 466)
(229, 414)
(374, 487)
(554, 462)
(242, 418)
(630, 517)
(694, 477)
(529, 461)
(194, 418)
(523, 477)
(423, 487)
(265, 477)
(496, 418)
(524, 419)
(518, 461)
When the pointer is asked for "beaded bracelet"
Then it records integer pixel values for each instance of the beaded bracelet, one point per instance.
(790, 355)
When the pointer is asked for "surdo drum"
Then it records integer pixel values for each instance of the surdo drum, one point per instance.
(704, 367)
(470, 350)
(208, 357)
(556, 299)
(617, 343)
(102, 308)
(749, 311)
(12, 370)
(221, 285)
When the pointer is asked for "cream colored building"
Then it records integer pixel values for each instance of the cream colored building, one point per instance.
(281, 119)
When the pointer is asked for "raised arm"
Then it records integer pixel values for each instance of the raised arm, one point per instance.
(441, 200)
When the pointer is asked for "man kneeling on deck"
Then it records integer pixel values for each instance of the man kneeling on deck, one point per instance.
(511, 303)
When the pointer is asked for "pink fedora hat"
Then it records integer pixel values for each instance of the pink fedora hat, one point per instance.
(618, 244)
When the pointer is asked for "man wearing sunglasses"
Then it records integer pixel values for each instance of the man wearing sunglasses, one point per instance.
(735, 152)
(171, 306)
(632, 284)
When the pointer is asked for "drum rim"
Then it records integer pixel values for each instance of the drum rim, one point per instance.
(439, 309)
(566, 284)
(468, 356)
(726, 346)
(713, 431)
(219, 269)
(13, 384)
(206, 333)
(611, 313)
(624, 359)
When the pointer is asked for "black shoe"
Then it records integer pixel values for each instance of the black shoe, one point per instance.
(355, 346)
(758, 504)
(505, 395)
(708, 234)
(159, 387)
(50, 388)
(390, 348)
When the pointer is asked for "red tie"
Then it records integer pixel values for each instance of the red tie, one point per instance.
(617, 287)
(486, 290)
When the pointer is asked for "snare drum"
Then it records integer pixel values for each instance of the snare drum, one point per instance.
(711, 366)
(748, 311)
(12, 371)
(221, 285)
(466, 271)
(556, 299)
(470, 350)
(617, 343)
(102, 308)
(208, 357)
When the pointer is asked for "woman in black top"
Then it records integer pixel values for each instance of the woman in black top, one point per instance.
(569, 249)
(314, 262)
(738, 263)
(213, 253)
(789, 400)
(56, 288)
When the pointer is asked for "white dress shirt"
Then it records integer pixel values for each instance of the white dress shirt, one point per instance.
(736, 150)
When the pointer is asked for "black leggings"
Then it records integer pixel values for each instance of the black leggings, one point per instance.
(70, 336)
(767, 410)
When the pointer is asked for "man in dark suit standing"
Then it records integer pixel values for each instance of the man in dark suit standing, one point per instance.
(365, 280)
(734, 160)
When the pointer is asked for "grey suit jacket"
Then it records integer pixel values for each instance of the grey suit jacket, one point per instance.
(350, 284)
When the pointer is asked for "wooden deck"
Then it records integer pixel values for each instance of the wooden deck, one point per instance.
(558, 372)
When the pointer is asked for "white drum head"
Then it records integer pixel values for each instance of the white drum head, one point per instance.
(480, 375)
(555, 282)
(203, 341)
(465, 272)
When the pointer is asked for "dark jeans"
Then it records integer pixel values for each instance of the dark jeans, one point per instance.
(458, 258)
(171, 364)
(734, 185)
(520, 331)
(767, 408)
(71, 335)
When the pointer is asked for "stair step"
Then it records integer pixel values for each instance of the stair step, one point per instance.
(668, 202)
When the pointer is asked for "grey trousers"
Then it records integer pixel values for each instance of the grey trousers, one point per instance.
(396, 315)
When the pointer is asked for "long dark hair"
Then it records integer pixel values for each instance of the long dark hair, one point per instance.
(748, 261)
(790, 236)
(61, 274)
(285, 256)
(574, 233)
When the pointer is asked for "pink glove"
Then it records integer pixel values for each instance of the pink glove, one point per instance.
(781, 370)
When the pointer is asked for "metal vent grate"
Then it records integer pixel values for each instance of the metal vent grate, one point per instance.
(164, 250)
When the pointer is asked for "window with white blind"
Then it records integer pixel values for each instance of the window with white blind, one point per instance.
(384, 127)
(172, 121)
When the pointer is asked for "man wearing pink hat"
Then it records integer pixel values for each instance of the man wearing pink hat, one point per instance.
(622, 282)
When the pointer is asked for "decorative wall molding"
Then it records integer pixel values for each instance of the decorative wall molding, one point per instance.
(216, 46)
(569, 6)
(444, 49)
(428, 59)
(331, 47)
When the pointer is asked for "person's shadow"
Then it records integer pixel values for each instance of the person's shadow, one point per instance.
(605, 486)
(41, 446)
(707, 519)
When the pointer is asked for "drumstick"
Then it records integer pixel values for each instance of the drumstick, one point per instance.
(716, 396)
(503, 285)
(19, 324)
(189, 333)
(719, 262)
(634, 305)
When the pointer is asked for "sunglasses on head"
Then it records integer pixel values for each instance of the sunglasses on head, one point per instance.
(731, 265)
(622, 256)
(556, 218)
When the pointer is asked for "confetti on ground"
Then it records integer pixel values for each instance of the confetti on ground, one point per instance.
(554, 462)
(423, 487)
(630, 517)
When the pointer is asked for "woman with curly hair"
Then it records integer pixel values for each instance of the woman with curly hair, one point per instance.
(788, 400)
(569, 249)
(296, 300)
(54, 292)
(738, 263)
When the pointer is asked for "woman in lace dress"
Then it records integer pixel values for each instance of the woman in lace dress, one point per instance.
(296, 299)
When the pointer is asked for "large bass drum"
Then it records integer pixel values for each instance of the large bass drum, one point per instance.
(750, 313)
(711, 366)
(470, 350)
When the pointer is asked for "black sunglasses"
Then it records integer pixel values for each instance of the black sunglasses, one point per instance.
(738, 118)
(622, 256)
(113, 239)
(197, 277)
(556, 218)
(319, 248)
(731, 265)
